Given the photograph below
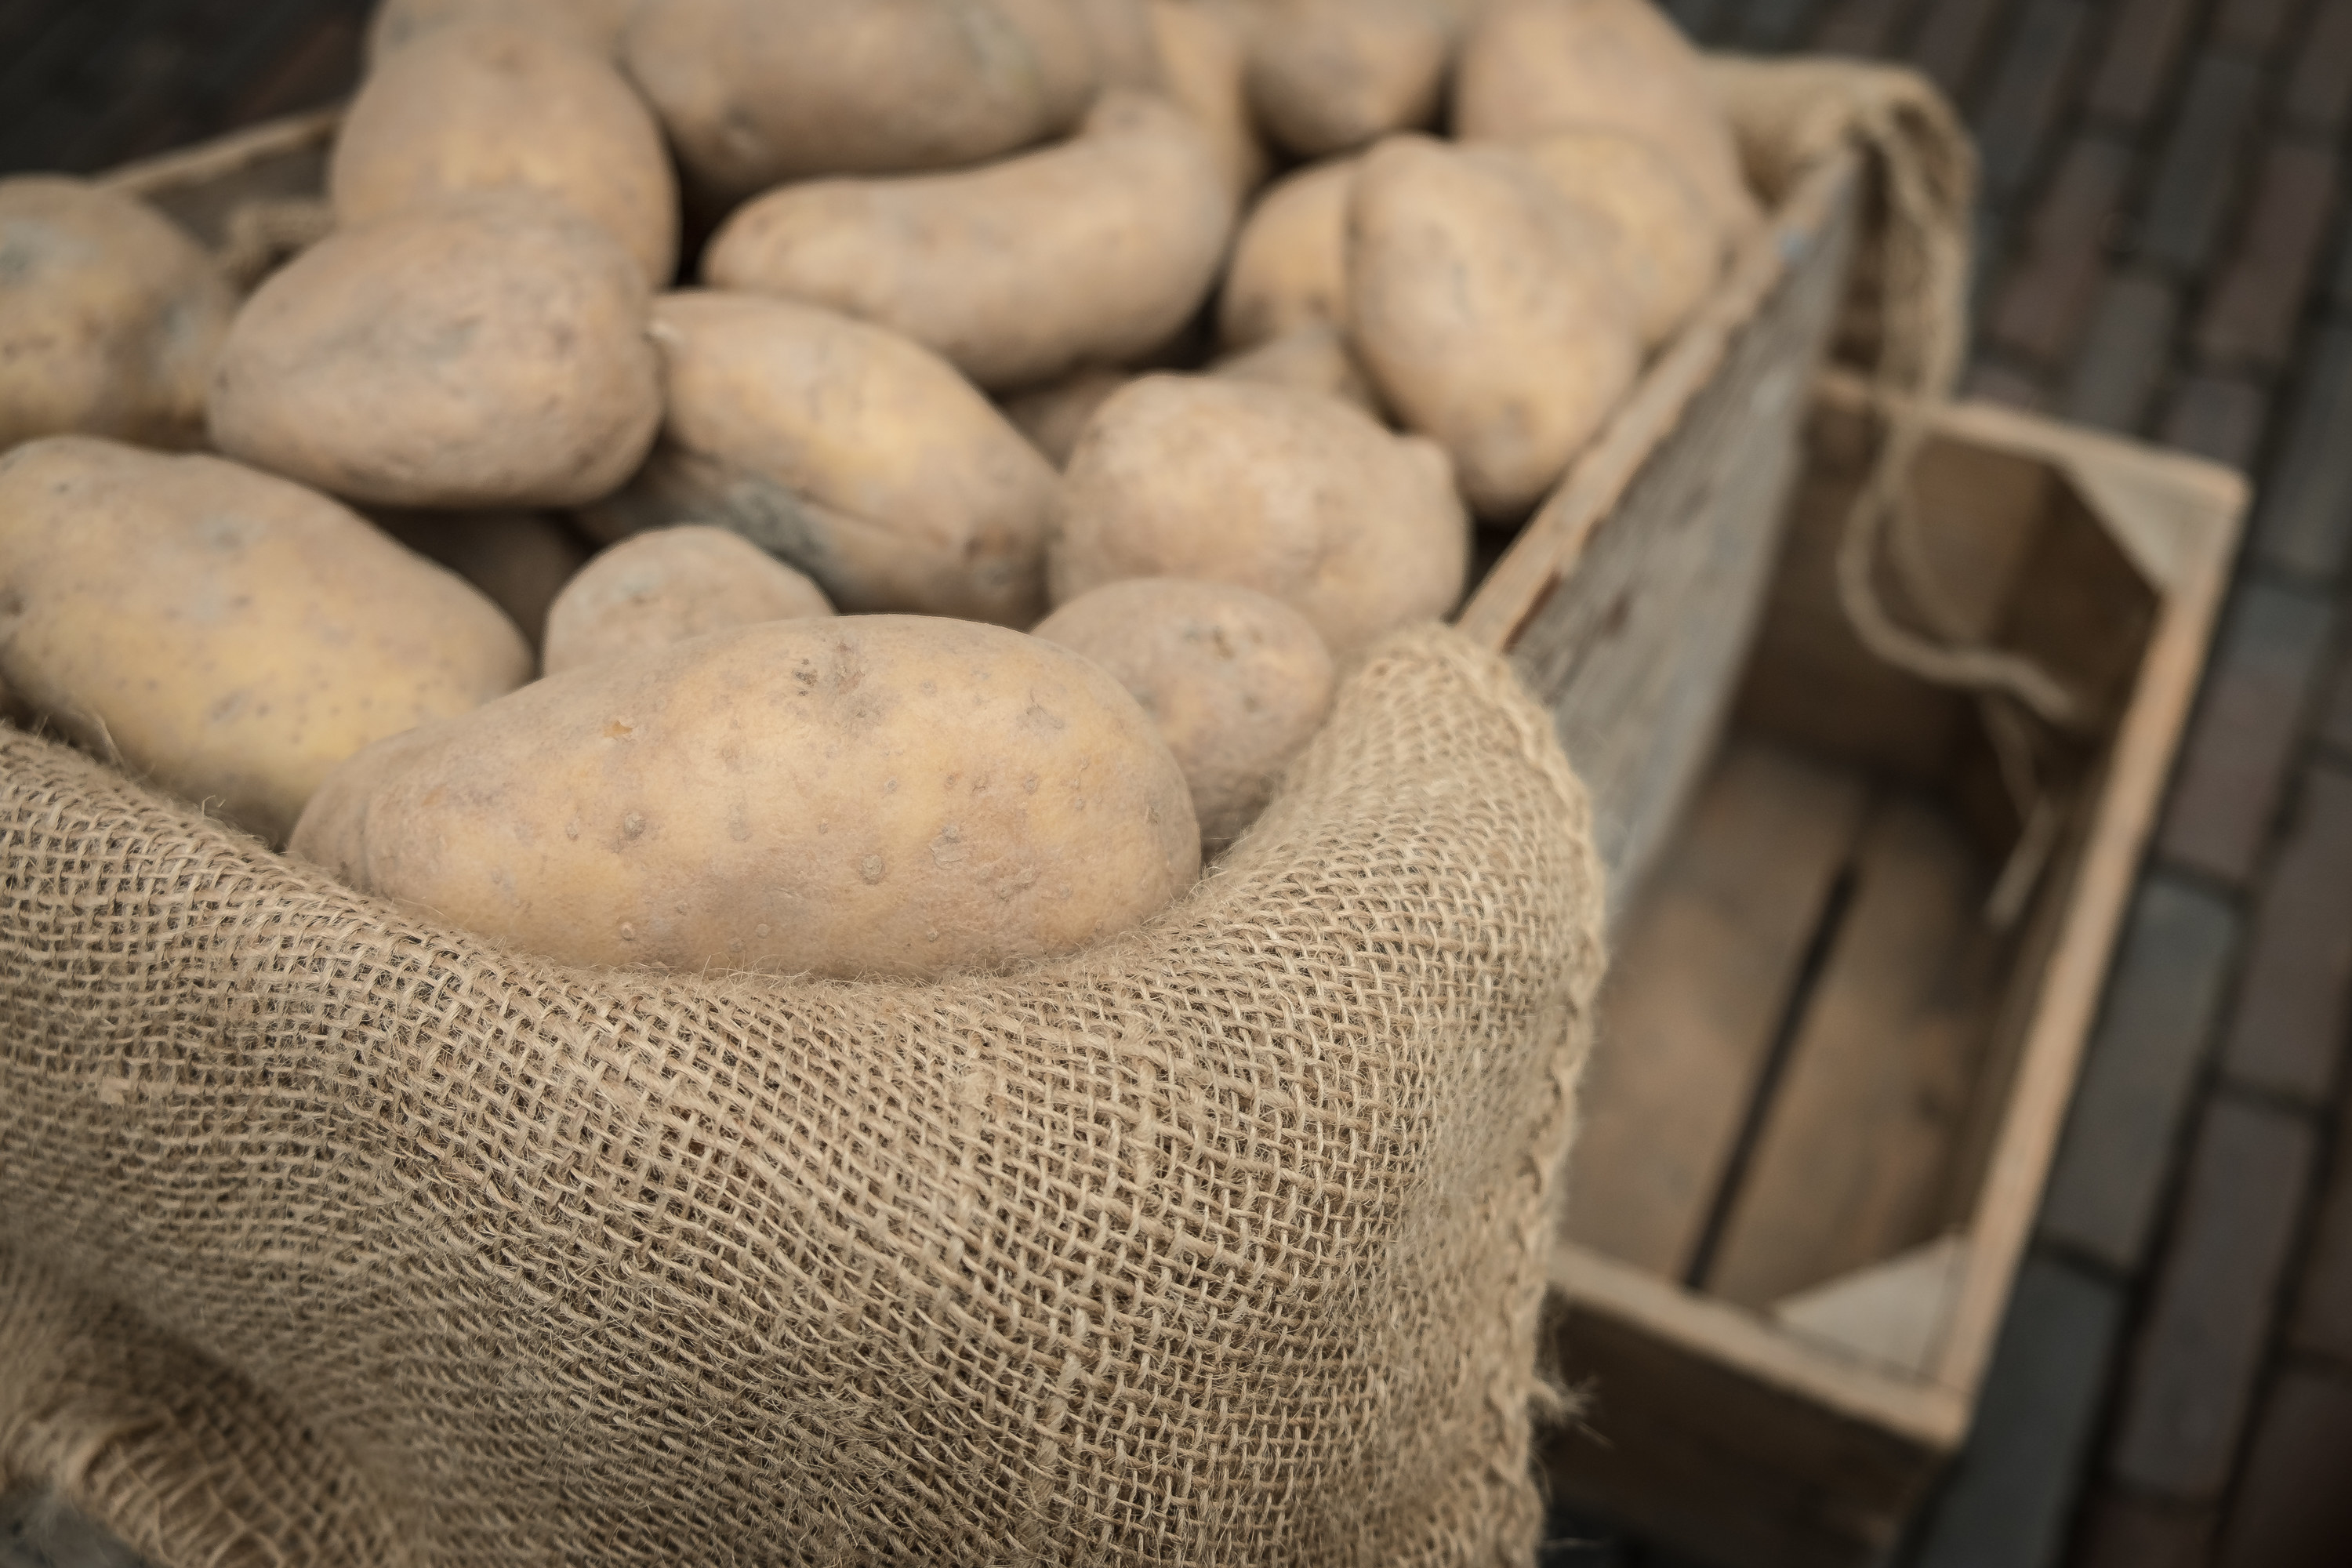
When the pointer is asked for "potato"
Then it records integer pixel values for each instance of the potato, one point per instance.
(1663, 241)
(1094, 251)
(858, 457)
(1237, 683)
(1054, 415)
(1487, 311)
(521, 560)
(1529, 67)
(756, 92)
(1125, 52)
(1294, 494)
(1289, 268)
(884, 795)
(1330, 76)
(227, 634)
(594, 24)
(496, 106)
(1203, 62)
(646, 592)
(110, 316)
(1316, 359)
(489, 352)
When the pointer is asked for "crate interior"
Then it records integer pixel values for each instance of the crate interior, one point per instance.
(1818, 1002)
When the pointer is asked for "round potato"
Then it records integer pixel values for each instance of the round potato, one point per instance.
(497, 106)
(885, 795)
(490, 351)
(1529, 67)
(1203, 62)
(110, 316)
(1054, 415)
(1294, 494)
(520, 558)
(1330, 76)
(646, 592)
(1237, 683)
(595, 24)
(1126, 53)
(1662, 240)
(757, 93)
(1489, 313)
(1092, 252)
(1313, 358)
(1289, 268)
(861, 458)
(227, 634)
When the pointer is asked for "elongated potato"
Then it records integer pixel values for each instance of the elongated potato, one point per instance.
(884, 795)
(497, 106)
(861, 458)
(1330, 76)
(1313, 358)
(1094, 251)
(655, 589)
(1205, 61)
(1237, 681)
(1292, 493)
(1289, 268)
(757, 93)
(110, 316)
(1663, 240)
(1529, 67)
(490, 351)
(1489, 313)
(1054, 415)
(521, 560)
(228, 636)
(594, 24)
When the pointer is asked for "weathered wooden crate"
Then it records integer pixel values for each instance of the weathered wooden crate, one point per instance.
(1629, 598)
(1828, 1088)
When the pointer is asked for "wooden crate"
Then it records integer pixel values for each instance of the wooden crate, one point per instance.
(1828, 1088)
(1627, 600)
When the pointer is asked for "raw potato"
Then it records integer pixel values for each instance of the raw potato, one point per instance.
(595, 24)
(1663, 240)
(1316, 359)
(1290, 260)
(857, 456)
(1529, 67)
(497, 106)
(1054, 415)
(663, 587)
(110, 316)
(1330, 76)
(521, 559)
(1237, 683)
(490, 351)
(890, 795)
(1294, 494)
(226, 635)
(757, 93)
(1126, 53)
(1204, 59)
(1092, 252)
(1489, 313)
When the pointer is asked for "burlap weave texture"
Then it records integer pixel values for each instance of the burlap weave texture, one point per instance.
(326, 1236)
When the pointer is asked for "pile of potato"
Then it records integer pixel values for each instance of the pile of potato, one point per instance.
(1058, 394)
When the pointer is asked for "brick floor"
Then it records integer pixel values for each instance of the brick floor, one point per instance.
(2288, 1036)
(2296, 1509)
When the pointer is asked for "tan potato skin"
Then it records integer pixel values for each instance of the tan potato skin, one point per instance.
(110, 316)
(1238, 683)
(594, 24)
(490, 351)
(1094, 252)
(1289, 268)
(757, 93)
(861, 458)
(884, 795)
(521, 560)
(495, 106)
(1489, 313)
(1664, 242)
(226, 635)
(1292, 493)
(1313, 358)
(1125, 52)
(1330, 76)
(1528, 68)
(1204, 59)
(1054, 415)
(659, 588)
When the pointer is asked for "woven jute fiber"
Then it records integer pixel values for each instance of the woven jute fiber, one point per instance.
(331, 1237)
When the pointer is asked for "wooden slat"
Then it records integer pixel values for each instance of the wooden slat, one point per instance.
(1709, 960)
(1849, 1168)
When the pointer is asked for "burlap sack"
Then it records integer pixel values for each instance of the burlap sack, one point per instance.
(331, 1237)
